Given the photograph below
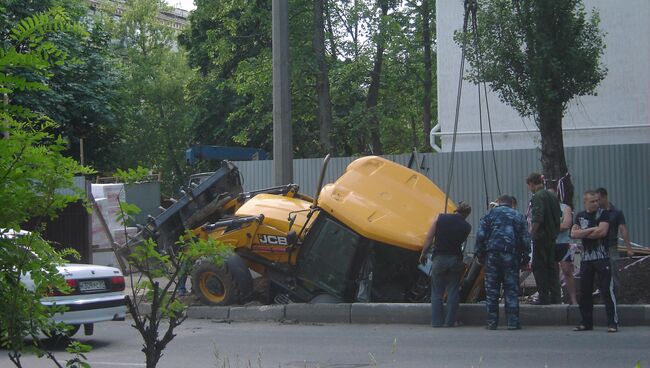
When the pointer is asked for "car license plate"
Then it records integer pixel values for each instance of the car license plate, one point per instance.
(91, 285)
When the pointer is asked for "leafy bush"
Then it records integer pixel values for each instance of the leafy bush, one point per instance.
(32, 173)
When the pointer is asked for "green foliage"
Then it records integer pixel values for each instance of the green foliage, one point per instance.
(147, 258)
(402, 82)
(152, 95)
(32, 173)
(81, 95)
(159, 288)
(82, 98)
(22, 314)
(229, 42)
(78, 360)
(33, 30)
(31, 164)
(535, 51)
(160, 273)
(131, 81)
(537, 56)
(127, 213)
(32, 169)
(194, 249)
(33, 50)
(77, 95)
(159, 280)
(130, 176)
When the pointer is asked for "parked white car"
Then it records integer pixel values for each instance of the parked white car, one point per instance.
(96, 295)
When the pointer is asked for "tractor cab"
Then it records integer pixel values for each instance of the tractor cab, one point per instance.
(337, 264)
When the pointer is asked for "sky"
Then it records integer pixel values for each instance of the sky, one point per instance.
(183, 4)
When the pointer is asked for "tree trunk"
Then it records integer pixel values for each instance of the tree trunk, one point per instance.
(171, 155)
(355, 33)
(428, 80)
(554, 166)
(330, 29)
(414, 133)
(373, 91)
(322, 80)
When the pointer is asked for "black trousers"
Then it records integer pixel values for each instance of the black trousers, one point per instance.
(546, 272)
(599, 271)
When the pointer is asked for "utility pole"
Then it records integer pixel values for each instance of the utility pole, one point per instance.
(282, 133)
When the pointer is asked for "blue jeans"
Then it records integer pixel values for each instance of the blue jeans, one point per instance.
(446, 273)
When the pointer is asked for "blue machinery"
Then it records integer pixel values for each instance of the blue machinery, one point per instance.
(201, 152)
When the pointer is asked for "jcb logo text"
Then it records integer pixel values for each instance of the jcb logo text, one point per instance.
(273, 239)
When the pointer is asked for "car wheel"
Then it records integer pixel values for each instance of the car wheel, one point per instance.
(225, 284)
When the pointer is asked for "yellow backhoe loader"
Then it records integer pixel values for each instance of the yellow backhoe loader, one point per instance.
(359, 240)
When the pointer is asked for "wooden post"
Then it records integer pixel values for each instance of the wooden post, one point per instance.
(81, 151)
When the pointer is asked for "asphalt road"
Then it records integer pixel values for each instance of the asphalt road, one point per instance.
(203, 343)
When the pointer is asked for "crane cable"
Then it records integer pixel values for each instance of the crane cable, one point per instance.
(470, 10)
(450, 173)
(487, 109)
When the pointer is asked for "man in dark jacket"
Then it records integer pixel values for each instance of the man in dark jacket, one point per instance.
(503, 246)
(447, 234)
(545, 225)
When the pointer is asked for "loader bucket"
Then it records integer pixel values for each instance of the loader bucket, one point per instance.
(207, 202)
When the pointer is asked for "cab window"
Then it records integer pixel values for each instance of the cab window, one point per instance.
(327, 259)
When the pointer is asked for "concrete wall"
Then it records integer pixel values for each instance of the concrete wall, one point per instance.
(619, 114)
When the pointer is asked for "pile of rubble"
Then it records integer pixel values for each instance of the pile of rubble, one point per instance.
(635, 280)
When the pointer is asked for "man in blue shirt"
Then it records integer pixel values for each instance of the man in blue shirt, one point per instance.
(503, 246)
(616, 226)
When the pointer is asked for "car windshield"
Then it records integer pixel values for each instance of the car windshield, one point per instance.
(327, 261)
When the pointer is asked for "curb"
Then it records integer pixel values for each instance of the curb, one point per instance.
(411, 313)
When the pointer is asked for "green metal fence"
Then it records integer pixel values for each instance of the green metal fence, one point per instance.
(623, 169)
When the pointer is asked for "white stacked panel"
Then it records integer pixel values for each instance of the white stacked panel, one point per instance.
(108, 198)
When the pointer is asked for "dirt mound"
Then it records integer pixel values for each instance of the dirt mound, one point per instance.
(635, 280)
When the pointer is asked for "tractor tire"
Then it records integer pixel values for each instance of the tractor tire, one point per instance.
(226, 284)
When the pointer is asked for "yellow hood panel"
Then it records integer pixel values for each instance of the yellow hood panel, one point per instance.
(276, 209)
(385, 201)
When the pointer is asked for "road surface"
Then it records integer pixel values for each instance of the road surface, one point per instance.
(204, 343)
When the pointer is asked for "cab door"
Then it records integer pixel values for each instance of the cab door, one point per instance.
(327, 259)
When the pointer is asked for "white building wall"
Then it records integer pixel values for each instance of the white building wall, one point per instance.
(619, 114)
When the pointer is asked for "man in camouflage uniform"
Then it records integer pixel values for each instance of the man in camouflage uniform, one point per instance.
(503, 246)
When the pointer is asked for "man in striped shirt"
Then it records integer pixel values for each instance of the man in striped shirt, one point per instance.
(592, 226)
